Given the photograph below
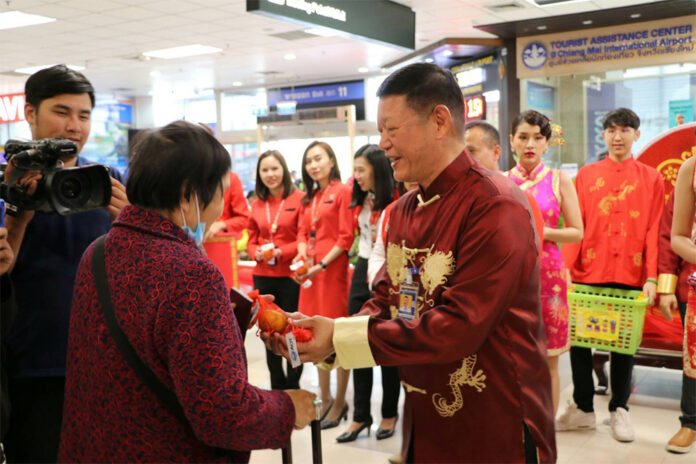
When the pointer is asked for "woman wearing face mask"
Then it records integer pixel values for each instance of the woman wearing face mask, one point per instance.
(273, 243)
(373, 191)
(555, 194)
(171, 305)
(325, 236)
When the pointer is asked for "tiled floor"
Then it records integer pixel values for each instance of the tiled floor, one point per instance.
(654, 411)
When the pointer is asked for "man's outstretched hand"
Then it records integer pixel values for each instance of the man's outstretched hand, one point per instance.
(317, 349)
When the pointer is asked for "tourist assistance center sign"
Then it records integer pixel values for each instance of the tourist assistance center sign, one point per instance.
(634, 45)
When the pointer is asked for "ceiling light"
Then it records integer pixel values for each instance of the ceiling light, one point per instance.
(33, 69)
(321, 31)
(289, 56)
(448, 53)
(541, 28)
(363, 69)
(237, 84)
(587, 22)
(428, 60)
(635, 15)
(12, 19)
(182, 52)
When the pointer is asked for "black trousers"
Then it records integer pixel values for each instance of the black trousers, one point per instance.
(363, 378)
(621, 370)
(37, 412)
(287, 293)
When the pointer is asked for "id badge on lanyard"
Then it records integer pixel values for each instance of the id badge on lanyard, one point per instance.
(408, 297)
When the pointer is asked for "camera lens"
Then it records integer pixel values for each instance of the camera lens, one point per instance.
(70, 189)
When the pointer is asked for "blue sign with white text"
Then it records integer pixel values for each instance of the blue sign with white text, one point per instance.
(341, 91)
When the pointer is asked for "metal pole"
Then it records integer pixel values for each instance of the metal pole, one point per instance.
(316, 433)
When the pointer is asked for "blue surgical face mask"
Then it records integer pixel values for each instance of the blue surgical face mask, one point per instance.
(198, 234)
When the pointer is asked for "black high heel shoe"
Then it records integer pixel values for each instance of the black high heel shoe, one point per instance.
(386, 433)
(327, 424)
(345, 437)
(323, 416)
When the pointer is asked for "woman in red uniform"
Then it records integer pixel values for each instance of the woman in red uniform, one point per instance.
(273, 243)
(325, 236)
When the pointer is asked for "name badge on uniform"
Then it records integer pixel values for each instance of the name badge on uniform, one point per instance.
(408, 297)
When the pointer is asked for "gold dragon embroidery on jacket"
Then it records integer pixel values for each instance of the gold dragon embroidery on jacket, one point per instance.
(607, 203)
(462, 376)
(433, 267)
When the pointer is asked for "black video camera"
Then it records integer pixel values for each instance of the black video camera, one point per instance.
(60, 190)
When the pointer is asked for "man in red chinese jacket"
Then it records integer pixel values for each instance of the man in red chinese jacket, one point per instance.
(621, 201)
(456, 305)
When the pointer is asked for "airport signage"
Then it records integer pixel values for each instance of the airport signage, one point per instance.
(650, 43)
(308, 95)
(475, 108)
(381, 21)
(11, 108)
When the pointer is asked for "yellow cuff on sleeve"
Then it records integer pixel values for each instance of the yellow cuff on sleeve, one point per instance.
(351, 343)
(667, 283)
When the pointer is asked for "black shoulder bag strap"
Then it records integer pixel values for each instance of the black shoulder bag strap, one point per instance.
(141, 370)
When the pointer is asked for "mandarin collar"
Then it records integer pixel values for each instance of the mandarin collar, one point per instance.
(450, 176)
(149, 222)
(616, 164)
(523, 174)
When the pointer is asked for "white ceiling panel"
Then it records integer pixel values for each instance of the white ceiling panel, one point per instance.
(109, 36)
(54, 10)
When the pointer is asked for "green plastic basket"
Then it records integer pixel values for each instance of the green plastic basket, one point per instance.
(607, 319)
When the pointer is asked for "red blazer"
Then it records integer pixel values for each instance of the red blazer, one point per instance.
(235, 211)
(285, 238)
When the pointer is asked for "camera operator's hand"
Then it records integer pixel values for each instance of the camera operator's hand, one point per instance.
(6, 254)
(118, 199)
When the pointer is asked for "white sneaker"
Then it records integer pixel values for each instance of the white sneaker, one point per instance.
(575, 419)
(621, 428)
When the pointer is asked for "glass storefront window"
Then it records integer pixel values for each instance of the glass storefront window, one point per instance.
(578, 103)
(240, 109)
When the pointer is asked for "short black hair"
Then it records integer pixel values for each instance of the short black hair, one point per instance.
(335, 173)
(56, 80)
(621, 117)
(179, 156)
(262, 191)
(492, 136)
(425, 86)
(533, 118)
(383, 178)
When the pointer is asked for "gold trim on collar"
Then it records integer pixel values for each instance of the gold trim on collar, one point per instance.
(426, 203)
(531, 183)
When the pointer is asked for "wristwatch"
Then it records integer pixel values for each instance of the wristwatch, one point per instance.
(323, 265)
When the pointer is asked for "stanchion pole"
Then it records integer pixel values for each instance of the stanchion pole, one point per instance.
(287, 453)
(316, 433)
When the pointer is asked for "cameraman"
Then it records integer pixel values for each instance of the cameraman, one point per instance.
(59, 103)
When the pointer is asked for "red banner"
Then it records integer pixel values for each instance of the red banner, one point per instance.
(668, 151)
